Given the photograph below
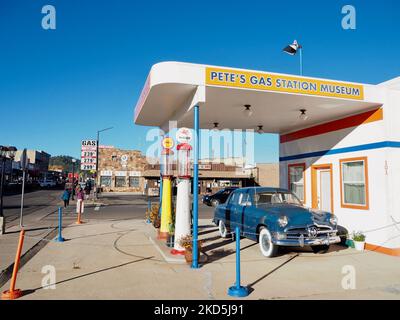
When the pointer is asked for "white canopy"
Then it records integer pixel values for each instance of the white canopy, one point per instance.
(173, 88)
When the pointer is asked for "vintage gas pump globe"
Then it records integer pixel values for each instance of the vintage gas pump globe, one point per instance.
(166, 162)
(183, 150)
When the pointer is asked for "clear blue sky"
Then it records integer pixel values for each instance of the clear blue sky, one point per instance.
(60, 86)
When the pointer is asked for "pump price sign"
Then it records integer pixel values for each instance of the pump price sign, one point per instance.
(88, 155)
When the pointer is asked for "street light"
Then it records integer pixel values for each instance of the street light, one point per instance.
(292, 49)
(73, 173)
(5, 152)
(97, 158)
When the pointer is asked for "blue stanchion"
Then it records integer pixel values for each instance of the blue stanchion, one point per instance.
(160, 196)
(149, 209)
(195, 262)
(237, 290)
(60, 238)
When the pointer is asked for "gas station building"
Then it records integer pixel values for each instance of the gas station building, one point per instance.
(339, 141)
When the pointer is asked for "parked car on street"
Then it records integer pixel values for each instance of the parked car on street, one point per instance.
(47, 183)
(218, 197)
(275, 217)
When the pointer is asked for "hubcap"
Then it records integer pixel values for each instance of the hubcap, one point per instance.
(265, 242)
(222, 226)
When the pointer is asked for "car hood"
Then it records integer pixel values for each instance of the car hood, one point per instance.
(298, 215)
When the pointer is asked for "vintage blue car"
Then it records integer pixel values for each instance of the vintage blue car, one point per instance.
(275, 217)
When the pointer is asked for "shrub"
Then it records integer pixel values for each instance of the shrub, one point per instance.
(358, 236)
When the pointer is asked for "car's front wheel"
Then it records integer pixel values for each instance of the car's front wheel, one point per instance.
(267, 247)
(223, 231)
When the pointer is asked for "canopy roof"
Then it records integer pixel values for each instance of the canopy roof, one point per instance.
(173, 88)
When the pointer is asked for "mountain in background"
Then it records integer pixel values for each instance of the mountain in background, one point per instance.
(63, 163)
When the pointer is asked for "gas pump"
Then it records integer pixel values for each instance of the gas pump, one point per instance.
(182, 218)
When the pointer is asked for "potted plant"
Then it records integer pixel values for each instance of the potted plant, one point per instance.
(154, 218)
(359, 240)
(187, 243)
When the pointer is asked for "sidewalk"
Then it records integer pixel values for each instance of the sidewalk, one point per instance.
(123, 260)
(40, 226)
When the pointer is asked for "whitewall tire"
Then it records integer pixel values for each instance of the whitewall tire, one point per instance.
(223, 232)
(267, 248)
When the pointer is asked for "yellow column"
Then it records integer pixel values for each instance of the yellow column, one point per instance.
(166, 208)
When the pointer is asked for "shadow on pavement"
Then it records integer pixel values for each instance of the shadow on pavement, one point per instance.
(30, 291)
(250, 285)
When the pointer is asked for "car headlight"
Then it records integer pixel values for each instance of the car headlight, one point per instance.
(333, 219)
(283, 221)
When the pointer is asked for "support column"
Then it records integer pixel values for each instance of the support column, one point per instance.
(195, 262)
(166, 208)
(182, 219)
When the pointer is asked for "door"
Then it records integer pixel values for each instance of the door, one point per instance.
(322, 196)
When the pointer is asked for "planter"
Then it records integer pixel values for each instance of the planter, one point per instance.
(350, 243)
(359, 245)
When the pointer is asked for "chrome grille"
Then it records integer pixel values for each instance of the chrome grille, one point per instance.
(294, 233)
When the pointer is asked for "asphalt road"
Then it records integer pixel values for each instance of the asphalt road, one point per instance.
(114, 207)
(33, 201)
(132, 207)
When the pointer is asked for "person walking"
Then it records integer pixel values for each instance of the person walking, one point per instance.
(65, 197)
(80, 203)
(88, 188)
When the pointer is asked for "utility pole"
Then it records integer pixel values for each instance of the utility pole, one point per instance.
(97, 180)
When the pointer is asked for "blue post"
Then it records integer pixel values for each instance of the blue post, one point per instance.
(195, 262)
(60, 238)
(159, 207)
(237, 290)
(148, 208)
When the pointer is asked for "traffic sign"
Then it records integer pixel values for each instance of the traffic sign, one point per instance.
(184, 135)
(24, 160)
(167, 143)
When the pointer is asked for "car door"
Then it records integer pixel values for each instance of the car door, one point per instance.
(238, 211)
(230, 208)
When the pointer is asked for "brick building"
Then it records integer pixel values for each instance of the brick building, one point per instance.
(121, 170)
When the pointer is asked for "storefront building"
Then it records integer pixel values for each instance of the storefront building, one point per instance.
(121, 170)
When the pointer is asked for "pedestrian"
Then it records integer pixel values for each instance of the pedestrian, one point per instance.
(80, 203)
(65, 197)
(88, 188)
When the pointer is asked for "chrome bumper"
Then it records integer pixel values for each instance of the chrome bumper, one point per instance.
(307, 241)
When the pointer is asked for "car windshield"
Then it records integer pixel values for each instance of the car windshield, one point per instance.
(261, 198)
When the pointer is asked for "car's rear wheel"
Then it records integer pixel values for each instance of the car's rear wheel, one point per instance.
(223, 231)
(267, 247)
(320, 249)
(215, 202)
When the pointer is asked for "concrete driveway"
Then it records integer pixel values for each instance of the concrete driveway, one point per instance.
(120, 258)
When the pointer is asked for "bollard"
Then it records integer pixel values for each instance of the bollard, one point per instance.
(78, 221)
(60, 238)
(15, 293)
(237, 290)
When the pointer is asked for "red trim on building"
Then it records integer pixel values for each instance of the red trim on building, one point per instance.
(352, 121)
